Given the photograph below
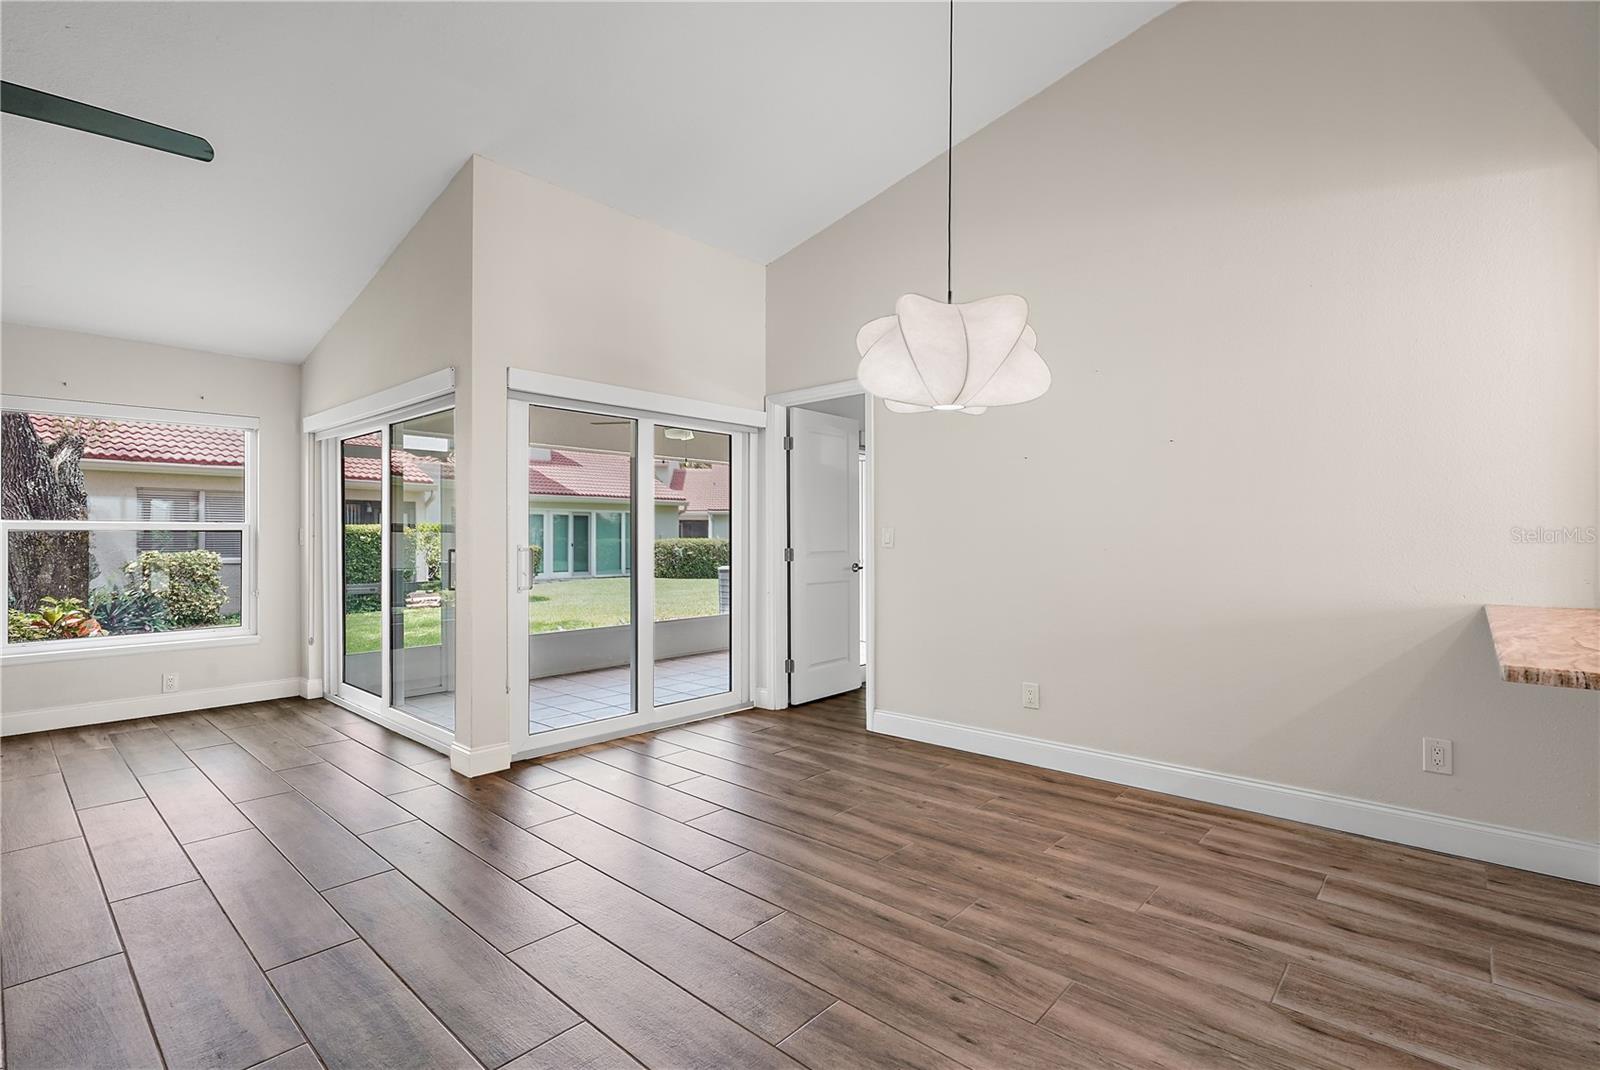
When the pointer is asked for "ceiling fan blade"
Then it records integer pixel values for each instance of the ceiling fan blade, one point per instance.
(49, 108)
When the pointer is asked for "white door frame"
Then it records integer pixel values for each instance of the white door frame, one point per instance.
(774, 623)
(597, 399)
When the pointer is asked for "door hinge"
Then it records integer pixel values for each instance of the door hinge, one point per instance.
(788, 442)
(788, 553)
(788, 665)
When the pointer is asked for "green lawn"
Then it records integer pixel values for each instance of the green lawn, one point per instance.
(555, 606)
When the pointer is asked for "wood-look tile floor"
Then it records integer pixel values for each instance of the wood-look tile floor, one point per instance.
(284, 884)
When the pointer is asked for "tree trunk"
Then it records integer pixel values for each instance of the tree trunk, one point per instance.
(43, 482)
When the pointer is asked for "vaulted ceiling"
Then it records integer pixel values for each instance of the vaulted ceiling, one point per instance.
(746, 126)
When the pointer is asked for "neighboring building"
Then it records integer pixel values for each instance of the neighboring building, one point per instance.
(579, 500)
(707, 499)
(159, 473)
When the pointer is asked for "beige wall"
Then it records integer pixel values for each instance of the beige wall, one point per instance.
(568, 286)
(565, 285)
(1318, 287)
(506, 271)
(64, 364)
(413, 318)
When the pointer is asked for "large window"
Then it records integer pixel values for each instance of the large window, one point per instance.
(124, 526)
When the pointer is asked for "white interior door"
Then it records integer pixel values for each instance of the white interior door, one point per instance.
(825, 574)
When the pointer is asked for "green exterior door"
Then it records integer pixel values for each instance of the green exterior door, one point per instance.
(580, 542)
(558, 535)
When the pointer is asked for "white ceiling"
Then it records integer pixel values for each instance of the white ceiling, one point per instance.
(747, 126)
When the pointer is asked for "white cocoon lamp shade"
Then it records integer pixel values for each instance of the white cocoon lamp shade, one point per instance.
(933, 356)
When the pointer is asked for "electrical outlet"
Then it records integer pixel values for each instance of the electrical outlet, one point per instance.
(1438, 756)
(887, 539)
(1030, 696)
(169, 683)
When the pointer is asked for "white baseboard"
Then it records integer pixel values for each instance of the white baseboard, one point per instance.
(311, 688)
(205, 698)
(476, 761)
(1573, 859)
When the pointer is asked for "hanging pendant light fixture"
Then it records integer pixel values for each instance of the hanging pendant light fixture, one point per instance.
(948, 357)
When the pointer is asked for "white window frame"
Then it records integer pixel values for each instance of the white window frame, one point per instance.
(200, 496)
(70, 649)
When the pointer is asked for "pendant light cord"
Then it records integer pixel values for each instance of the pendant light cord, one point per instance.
(950, 168)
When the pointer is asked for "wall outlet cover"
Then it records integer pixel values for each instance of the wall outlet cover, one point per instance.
(1030, 696)
(1438, 756)
(169, 683)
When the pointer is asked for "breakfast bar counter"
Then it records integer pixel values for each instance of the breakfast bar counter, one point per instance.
(1544, 645)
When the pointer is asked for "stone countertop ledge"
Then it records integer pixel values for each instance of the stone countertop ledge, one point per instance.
(1542, 645)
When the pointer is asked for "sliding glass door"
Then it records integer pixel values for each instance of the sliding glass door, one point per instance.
(422, 567)
(694, 578)
(579, 618)
(629, 518)
(361, 491)
(391, 566)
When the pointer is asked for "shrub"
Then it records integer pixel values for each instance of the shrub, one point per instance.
(19, 626)
(363, 565)
(129, 611)
(56, 618)
(188, 583)
(690, 559)
(535, 559)
(425, 538)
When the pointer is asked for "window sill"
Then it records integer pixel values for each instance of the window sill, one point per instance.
(16, 655)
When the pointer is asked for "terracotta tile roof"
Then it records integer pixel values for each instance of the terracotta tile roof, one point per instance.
(119, 440)
(705, 490)
(567, 473)
(584, 474)
(365, 469)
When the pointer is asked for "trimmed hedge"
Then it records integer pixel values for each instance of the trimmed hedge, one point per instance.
(691, 559)
(363, 559)
(363, 554)
(363, 565)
